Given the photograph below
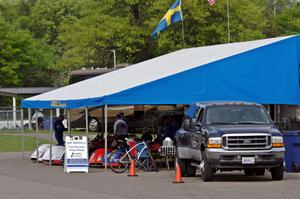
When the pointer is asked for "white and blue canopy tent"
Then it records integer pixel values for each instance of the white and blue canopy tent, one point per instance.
(263, 71)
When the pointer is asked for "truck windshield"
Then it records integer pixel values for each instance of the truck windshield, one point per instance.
(235, 114)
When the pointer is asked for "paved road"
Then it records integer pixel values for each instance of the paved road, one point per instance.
(20, 180)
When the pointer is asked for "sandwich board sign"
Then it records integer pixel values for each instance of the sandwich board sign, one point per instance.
(76, 156)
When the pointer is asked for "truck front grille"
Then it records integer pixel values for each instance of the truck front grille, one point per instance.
(247, 141)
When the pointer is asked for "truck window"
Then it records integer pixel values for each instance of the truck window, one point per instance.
(200, 116)
(235, 114)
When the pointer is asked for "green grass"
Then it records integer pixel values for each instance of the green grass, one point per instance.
(12, 143)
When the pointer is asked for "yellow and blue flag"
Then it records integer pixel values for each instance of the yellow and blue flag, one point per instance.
(172, 16)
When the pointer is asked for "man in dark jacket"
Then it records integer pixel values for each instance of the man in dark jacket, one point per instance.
(59, 129)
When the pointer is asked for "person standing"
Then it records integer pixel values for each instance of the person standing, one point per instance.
(59, 129)
(120, 128)
(123, 117)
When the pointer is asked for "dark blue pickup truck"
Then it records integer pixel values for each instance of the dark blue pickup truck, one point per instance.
(225, 136)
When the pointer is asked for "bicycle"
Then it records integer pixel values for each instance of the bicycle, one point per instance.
(120, 159)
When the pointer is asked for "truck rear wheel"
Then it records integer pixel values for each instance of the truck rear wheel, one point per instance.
(277, 173)
(189, 169)
(207, 171)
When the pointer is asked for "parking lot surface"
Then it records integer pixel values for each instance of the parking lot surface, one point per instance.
(24, 179)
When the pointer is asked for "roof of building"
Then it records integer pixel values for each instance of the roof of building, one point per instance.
(97, 71)
(25, 91)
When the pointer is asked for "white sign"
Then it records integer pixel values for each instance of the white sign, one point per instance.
(76, 156)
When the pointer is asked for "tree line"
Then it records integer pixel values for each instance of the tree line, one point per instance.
(41, 41)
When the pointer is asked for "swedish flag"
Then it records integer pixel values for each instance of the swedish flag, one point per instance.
(172, 16)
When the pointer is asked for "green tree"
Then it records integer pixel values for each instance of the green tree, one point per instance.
(47, 15)
(288, 22)
(23, 59)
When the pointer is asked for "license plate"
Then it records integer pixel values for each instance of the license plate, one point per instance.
(248, 160)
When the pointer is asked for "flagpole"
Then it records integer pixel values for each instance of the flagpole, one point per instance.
(182, 25)
(228, 22)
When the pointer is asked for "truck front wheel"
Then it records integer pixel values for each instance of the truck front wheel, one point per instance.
(277, 172)
(207, 171)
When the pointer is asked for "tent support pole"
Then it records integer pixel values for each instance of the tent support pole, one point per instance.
(22, 133)
(14, 113)
(86, 122)
(36, 135)
(51, 135)
(29, 119)
(102, 117)
(69, 122)
(105, 136)
(57, 112)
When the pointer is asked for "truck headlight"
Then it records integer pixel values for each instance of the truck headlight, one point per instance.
(277, 141)
(215, 142)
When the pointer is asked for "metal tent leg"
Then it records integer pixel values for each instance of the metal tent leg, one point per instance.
(29, 119)
(69, 122)
(14, 113)
(51, 135)
(36, 135)
(22, 133)
(86, 122)
(105, 135)
(103, 120)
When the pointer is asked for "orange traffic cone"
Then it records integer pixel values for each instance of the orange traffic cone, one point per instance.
(178, 178)
(132, 169)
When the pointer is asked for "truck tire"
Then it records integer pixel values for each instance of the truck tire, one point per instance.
(189, 169)
(208, 172)
(277, 172)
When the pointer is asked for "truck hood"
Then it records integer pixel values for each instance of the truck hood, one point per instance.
(218, 131)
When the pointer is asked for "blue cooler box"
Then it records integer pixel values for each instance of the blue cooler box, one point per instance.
(292, 151)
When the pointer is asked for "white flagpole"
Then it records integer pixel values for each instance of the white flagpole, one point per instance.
(228, 22)
(182, 25)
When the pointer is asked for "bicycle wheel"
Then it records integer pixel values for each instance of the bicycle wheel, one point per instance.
(119, 161)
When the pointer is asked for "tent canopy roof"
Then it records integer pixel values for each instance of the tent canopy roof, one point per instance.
(131, 85)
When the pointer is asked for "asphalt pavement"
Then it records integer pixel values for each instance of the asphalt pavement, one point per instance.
(27, 180)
